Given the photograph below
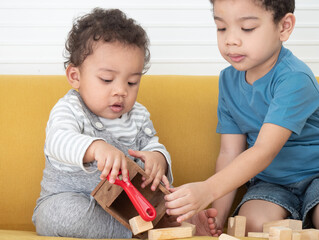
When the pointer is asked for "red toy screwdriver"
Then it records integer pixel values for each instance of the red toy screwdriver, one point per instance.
(143, 207)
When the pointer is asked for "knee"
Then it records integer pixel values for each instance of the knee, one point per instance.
(254, 223)
(315, 217)
(258, 212)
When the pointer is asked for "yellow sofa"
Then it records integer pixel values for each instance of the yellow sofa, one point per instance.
(183, 110)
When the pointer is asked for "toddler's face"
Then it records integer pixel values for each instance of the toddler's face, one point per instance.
(109, 78)
(247, 36)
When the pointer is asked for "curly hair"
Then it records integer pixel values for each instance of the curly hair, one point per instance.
(109, 25)
(279, 8)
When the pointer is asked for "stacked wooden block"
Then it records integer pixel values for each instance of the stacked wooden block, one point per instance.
(287, 229)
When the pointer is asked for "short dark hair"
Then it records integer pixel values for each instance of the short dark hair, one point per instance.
(109, 25)
(279, 7)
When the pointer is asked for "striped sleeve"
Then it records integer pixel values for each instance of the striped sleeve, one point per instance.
(65, 143)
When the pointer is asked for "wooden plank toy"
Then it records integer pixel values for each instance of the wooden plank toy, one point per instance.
(224, 236)
(258, 235)
(295, 225)
(236, 226)
(280, 233)
(139, 225)
(171, 233)
(186, 224)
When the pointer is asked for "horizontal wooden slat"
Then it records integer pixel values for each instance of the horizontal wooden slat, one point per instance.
(182, 34)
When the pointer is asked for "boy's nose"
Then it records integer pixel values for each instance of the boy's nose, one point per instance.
(120, 90)
(232, 38)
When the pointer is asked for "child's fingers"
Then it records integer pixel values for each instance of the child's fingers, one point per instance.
(148, 170)
(185, 216)
(175, 194)
(136, 154)
(152, 174)
(180, 210)
(107, 168)
(124, 170)
(165, 182)
(115, 170)
(146, 182)
(156, 182)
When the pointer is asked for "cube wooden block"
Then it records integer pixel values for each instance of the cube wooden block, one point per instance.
(290, 223)
(280, 233)
(170, 233)
(236, 226)
(113, 199)
(139, 225)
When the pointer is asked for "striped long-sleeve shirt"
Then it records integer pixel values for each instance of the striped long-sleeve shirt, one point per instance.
(69, 133)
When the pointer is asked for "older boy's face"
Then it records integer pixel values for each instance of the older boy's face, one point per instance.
(110, 78)
(247, 36)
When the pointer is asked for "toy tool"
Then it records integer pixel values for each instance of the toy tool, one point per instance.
(143, 207)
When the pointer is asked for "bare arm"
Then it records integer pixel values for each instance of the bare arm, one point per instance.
(231, 146)
(249, 163)
(188, 199)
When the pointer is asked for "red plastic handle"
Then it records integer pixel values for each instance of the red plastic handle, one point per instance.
(143, 207)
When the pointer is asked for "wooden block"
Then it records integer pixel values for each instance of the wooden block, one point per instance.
(293, 224)
(309, 234)
(280, 233)
(224, 236)
(170, 233)
(187, 224)
(237, 226)
(296, 236)
(258, 235)
(139, 225)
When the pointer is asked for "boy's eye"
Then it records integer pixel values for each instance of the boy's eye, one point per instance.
(106, 80)
(132, 83)
(221, 29)
(248, 29)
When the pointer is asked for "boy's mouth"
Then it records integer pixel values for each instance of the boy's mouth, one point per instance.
(236, 57)
(117, 107)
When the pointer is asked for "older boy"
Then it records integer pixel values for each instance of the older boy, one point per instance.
(268, 101)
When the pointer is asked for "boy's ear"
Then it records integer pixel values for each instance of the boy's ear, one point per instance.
(73, 76)
(287, 24)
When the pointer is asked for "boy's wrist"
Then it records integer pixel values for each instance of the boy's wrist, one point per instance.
(90, 152)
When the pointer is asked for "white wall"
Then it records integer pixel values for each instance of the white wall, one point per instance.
(182, 34)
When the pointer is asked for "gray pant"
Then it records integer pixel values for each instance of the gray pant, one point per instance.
(77, 215)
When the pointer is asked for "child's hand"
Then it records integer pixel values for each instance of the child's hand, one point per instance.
(187, 200)
(109, 160)
(155, 167)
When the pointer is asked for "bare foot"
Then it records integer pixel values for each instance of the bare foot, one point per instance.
(205, 222)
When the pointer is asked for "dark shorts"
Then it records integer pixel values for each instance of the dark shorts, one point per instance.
(297, 198)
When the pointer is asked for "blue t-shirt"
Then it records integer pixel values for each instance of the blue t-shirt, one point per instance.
(288, 96)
